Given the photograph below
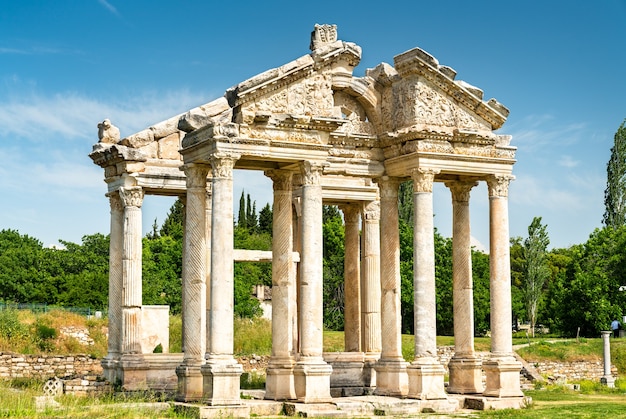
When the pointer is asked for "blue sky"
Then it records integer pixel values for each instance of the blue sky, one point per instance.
(66, 65)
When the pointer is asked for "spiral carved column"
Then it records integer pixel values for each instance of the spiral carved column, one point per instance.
(391, 374)
(280, 380)
(190, 379)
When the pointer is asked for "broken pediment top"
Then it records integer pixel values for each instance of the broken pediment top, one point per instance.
(383, 73)
(106, 154)
(323, 35)
(499, 107)
(472, 89)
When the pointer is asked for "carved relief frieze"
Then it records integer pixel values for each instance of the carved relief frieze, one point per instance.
(309, 96)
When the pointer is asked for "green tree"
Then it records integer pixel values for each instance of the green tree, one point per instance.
(242, 220)
(535, 268)
(615, 192)
(173, 224)
(266, 220)
(333, 268)
(20, 266)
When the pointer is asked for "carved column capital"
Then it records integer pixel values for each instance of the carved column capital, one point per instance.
(311, 172)
(388, 187)
(196, 175)
(371, 211)
(499, 185)
(460, 189)
(223, 165)
(423, 179)
(131, 197)
(351, 213)
(281, 179)
(115, 201)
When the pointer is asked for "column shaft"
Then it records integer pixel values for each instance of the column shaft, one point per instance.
(132, 199)
(280, 380)
(391, 375)
(370, 277)
(352, 286)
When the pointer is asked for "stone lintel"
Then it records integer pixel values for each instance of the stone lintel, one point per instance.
(474, 166)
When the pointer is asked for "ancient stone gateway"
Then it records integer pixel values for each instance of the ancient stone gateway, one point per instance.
(323, 136)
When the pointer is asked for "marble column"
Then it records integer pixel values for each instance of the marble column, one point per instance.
(391, 373)
(370, 281)
(190, 380)
(208, 216)
(132, 361)
(465, 367)
(280, 379)
(312, 373)
(502, 369)
(425, 372)
(110, 363)
(352, 275)
(221, 371)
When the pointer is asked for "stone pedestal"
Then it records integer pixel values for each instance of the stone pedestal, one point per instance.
(280, 382)
(190, 383)
(502, 377)
(607, 379)
(426, 380)
(466, 375)
(312, 381)
(221, 382)
(134, 371)
(391, 378)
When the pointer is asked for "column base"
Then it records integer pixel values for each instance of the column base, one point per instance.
(190, 383)
(133, 372)
(426, 380)
(279, 382)
(312, 381)
(111, 369)
(608, 380)
(392, 378)
(502, 377)
(466, 375)
(221, 382)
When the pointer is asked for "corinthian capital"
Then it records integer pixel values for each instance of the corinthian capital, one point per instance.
(499, 185)
(311, 172)
(131, 197)
(351, 213)
(371, 211)
(423, 179)
(115, 201)
(461, 190)
(196, 175)
(223, 165)
(388, 187)
(281, 179)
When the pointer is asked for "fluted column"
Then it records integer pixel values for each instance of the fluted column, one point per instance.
(190, 379)
(425, 372)
(221, 371)
(280, 380)
(370, 281)
(502, 369)
(132, 359)
(391, 375)
(312, 373)
(111, 361)
(352, 281)
(465, 366)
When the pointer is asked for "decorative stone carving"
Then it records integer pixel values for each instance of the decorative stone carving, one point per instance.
(108, 133)
(312, 172)
(131, 197)
(322, 35)
(223, 165)
(499, 185)
(423, 179)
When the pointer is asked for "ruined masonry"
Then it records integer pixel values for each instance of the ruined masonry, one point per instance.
(323, 136)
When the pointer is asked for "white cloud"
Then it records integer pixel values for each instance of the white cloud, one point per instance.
(109, 6)
(568, 161)
(535, 132)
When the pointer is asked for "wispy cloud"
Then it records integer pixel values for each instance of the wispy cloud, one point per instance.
(109, 7)
(45, 119)
(568, 161)
(537, 131)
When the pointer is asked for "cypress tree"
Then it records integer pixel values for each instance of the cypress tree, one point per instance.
(615, 192)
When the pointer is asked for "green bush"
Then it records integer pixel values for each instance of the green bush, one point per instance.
(10, 325)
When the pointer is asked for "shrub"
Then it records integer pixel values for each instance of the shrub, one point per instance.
(10, 325)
